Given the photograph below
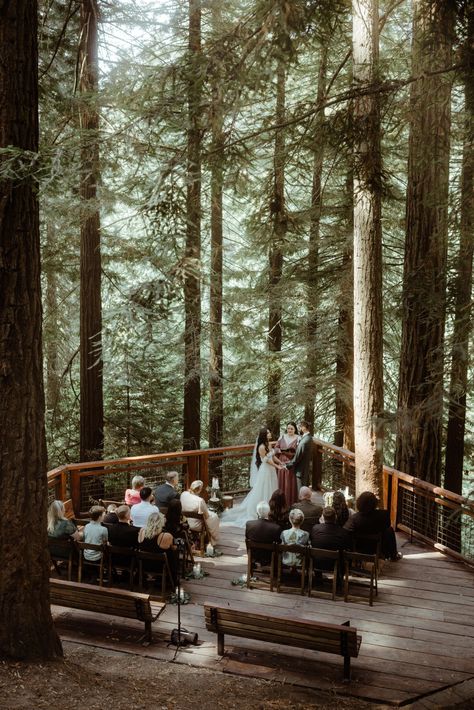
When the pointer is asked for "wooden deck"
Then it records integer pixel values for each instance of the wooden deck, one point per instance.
(417, 639)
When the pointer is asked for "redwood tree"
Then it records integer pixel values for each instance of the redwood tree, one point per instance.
(92, 406)
(275, 258)
(192, 280)
(216, 390)
(313, 246)
(26, 628)
(368, 375)
(420, 393)
(463, 285)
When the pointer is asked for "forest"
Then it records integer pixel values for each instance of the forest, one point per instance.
(218, 215)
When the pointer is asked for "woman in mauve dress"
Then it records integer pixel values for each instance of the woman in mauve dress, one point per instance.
(285, 449)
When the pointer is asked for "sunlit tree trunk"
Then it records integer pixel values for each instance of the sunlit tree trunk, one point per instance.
(368, 375)
(216, 385)
(92, 407)
(26, 627)
(313, 247)
(278, 215)
(192, 283)
(463, 285)
(420, 394)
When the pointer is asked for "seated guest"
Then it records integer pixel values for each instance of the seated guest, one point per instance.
(60, 527)
(175, 523)
(167, 491)
(132, 495)
(262, 530)
(95, 533)
(110, 517)
(329, 535)
(343, 512)
(122, 533)
(294, 536)
(193, 503)
(317, 496)
(278, 509)
(140, 512)
(312, 512)
(152, 538)
(371, 521)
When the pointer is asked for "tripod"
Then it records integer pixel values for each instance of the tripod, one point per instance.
(181, 637)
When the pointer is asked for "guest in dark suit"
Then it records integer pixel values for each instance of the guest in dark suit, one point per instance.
(371, 521)
(122, 534)
(302, 460)
(262, 530)
(167, 491)
(329, 535)
(312, 513)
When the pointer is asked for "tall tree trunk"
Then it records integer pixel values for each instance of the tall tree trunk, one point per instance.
(344, 394)
(92, 406)
(216, 388)
(420, 394)
(26, 628)
(463, 286)
(53, 376)
(192, 283)
(275, 260)
(313, 247)
(368, 369)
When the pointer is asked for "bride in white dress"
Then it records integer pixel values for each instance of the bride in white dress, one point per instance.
(263, 479)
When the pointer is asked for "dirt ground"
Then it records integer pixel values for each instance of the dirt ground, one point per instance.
(97, 679)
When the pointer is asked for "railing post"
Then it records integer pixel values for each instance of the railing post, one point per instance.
(394, 501)
(204, 472)
(191, 470)
(75, 492)
(385, 489)
(317, 465)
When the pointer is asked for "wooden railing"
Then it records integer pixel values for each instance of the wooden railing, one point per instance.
(429, 513)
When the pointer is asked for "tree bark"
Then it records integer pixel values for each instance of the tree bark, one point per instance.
(216, 383)
(275, 260)
(453, 478)
(313, 247)
(192, 279)
(368, 370)
(92, 406)
(420, 394)
(344, 395)
(26, 628)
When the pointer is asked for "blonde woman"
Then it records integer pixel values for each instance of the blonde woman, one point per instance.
(59, 526)
(192, 502)
(152, 538)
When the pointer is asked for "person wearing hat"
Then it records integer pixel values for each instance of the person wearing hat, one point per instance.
(192, 502)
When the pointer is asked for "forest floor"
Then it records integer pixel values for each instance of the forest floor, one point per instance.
(98, 679)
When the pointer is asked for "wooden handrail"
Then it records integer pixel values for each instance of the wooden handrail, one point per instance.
(196, 463)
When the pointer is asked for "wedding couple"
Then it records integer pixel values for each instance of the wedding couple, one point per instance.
(264, 467)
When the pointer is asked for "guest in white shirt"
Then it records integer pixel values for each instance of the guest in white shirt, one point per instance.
(193, 503)
(140, 512)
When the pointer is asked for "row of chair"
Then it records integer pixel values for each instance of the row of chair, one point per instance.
(113, 559)
(343, 566)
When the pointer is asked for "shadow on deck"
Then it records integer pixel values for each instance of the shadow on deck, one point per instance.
(417, 639)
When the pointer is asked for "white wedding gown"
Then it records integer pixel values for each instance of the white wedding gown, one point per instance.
(266, 483)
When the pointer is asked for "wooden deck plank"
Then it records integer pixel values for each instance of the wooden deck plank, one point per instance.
(416, 639)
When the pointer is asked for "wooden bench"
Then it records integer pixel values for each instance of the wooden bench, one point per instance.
(328, 638)
(116, 602)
